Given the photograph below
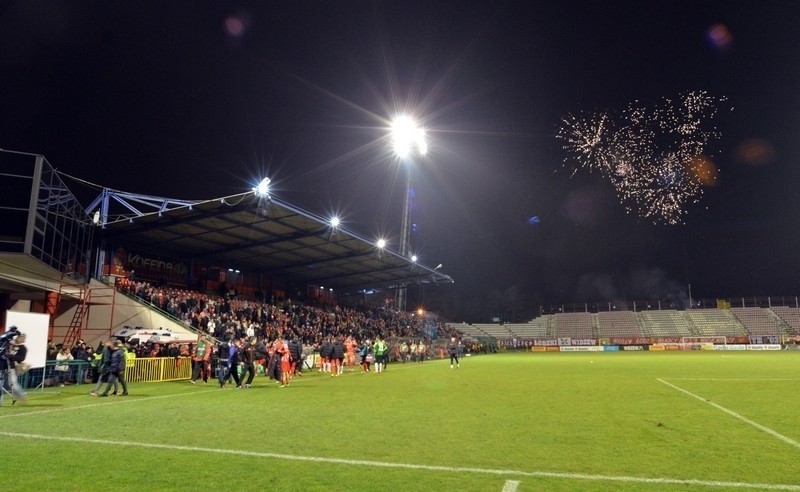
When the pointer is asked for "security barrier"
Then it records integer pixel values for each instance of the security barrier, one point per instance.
(153, 369)
(58, 373)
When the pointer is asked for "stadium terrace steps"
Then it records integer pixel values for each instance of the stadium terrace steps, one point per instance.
(573, 325)
(790, 316)
(534, 329)
(714, 322)
(757, 321)
(470, 331)
(499, 332)
(666, 323)
(618, 324)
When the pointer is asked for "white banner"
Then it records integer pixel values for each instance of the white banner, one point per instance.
(581, 349)
(735, 346)
(768, 346)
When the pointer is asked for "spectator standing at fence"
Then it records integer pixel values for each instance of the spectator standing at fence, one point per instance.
(103, 367)
(82, 358)
(63, 358)
(453, 348)
(116, 370)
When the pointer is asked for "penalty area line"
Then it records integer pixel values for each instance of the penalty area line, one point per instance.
(735, 415)
(409, 466)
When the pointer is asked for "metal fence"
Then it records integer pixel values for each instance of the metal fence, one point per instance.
(78, 372)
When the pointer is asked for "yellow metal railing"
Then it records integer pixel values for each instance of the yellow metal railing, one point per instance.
(152, 369)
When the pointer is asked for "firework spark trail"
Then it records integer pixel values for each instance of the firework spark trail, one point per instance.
(649, 155)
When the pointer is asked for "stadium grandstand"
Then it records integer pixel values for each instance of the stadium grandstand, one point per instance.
(736, 323)
(65, 259)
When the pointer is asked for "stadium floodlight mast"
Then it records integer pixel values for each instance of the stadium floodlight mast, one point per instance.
(407, 137)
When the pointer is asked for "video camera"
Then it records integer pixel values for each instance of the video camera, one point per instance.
(6, 337)
(11, 333)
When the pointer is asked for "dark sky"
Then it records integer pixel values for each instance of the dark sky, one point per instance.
(192, 99)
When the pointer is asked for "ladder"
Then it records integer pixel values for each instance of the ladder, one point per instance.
(78, 317)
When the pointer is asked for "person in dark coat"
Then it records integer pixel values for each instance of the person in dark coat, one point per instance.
(102, 368)
(116, 369)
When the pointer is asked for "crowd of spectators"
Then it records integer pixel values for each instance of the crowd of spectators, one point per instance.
(226, 317)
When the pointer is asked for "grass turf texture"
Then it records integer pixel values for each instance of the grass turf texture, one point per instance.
(584, 414)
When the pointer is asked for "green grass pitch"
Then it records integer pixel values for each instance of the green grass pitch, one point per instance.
(585, 421)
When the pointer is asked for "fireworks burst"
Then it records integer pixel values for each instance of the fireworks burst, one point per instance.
(653, 156)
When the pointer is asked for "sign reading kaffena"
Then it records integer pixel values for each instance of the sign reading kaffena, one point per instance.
(139, 262)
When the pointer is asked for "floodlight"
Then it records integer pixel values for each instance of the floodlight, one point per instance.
(262, 189)
(381, 243)
(406, 135)
(414, 258)
(335, 221)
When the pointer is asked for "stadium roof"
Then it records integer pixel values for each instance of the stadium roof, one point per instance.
(251, 232)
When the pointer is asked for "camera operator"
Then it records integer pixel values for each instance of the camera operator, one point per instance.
(12, 363)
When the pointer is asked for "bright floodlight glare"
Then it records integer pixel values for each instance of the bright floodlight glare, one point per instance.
(381, 243)
(263, 188)
(406, 135)
(414, 258)
(335, 221)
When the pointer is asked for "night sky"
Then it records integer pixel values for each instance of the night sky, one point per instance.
(194, 100)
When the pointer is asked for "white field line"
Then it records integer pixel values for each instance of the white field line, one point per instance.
(733, 414)
(410, 466)
(735, 379)
(510, 486)
(118, 400)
